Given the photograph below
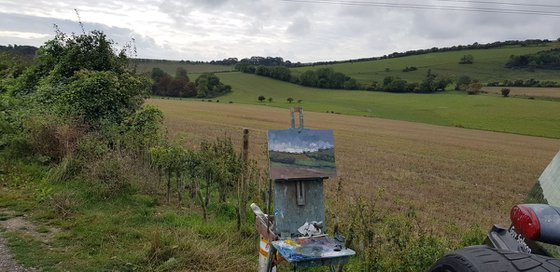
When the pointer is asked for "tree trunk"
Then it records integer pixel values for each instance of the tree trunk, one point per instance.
(223, 193)
(202, 203)
(207, 199)
(179, 187)
(168, 186)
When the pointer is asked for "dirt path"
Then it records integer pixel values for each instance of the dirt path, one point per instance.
(14, 222)
(7, 261)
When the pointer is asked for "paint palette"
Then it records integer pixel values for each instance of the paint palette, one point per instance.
(308, 250)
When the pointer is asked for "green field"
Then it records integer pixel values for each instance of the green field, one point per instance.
(487, 112)
(170, 67)
(488, 66)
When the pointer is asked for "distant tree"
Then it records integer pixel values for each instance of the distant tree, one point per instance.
(462, 83)
(432, 83)
(157, 74)
(201, 86)
(474, 88)
(299, 101)
(409, 69)
(162, 87)
(290, 100)
(270, 100)
(466, 59)
(394, 84)
(308, 78)
(281, 73)
(181, 73)
(505, 92)
(262, 71)
(261, 98)
(179, 88)
(209, 85)
(351, 84)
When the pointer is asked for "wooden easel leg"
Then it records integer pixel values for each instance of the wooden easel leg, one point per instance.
(271, 256)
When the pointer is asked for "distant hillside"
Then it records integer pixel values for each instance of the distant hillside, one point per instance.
(489, 65)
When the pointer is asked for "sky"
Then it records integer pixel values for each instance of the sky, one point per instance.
(297, 30)
(299, 141)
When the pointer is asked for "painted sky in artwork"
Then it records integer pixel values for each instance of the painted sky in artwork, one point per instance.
(299, 141)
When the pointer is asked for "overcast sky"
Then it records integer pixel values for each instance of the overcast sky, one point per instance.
(298, 30)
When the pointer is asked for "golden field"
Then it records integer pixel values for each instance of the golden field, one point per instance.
(451, 177)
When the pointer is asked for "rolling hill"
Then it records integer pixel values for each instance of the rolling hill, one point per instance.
(488, 66)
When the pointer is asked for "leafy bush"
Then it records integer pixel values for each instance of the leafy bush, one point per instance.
(387, 242)
(466, 59)
(409, 69)
(505, 92)
(473, 88)
(462, 83)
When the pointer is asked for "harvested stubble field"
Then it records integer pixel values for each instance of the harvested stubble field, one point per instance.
(452, 178)
(526, 91)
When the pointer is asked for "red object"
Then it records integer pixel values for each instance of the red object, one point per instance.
(525, 222)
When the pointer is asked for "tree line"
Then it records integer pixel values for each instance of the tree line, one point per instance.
(524, 83)
(278, 61)
(430, 84)
(206, 85)
(325, 78)
(476, 45)
(24, 50)
(548, 59)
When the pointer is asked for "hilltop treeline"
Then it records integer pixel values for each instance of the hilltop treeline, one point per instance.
(24, 50)
(531, 42)
(549, 59)
(206, 85)
(278, 61)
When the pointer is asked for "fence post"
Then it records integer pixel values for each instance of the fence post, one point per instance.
(242, 186)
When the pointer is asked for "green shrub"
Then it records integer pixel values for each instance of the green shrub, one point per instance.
(505, 92)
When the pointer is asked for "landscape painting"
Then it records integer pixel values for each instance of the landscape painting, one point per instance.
(299, 154)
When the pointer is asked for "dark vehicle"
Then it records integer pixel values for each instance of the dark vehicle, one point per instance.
(531, 243)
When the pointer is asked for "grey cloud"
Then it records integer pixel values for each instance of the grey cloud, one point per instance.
(299, 27)
(216, 29)
(147, 47)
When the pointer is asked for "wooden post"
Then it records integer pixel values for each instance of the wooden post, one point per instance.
(243, 181)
